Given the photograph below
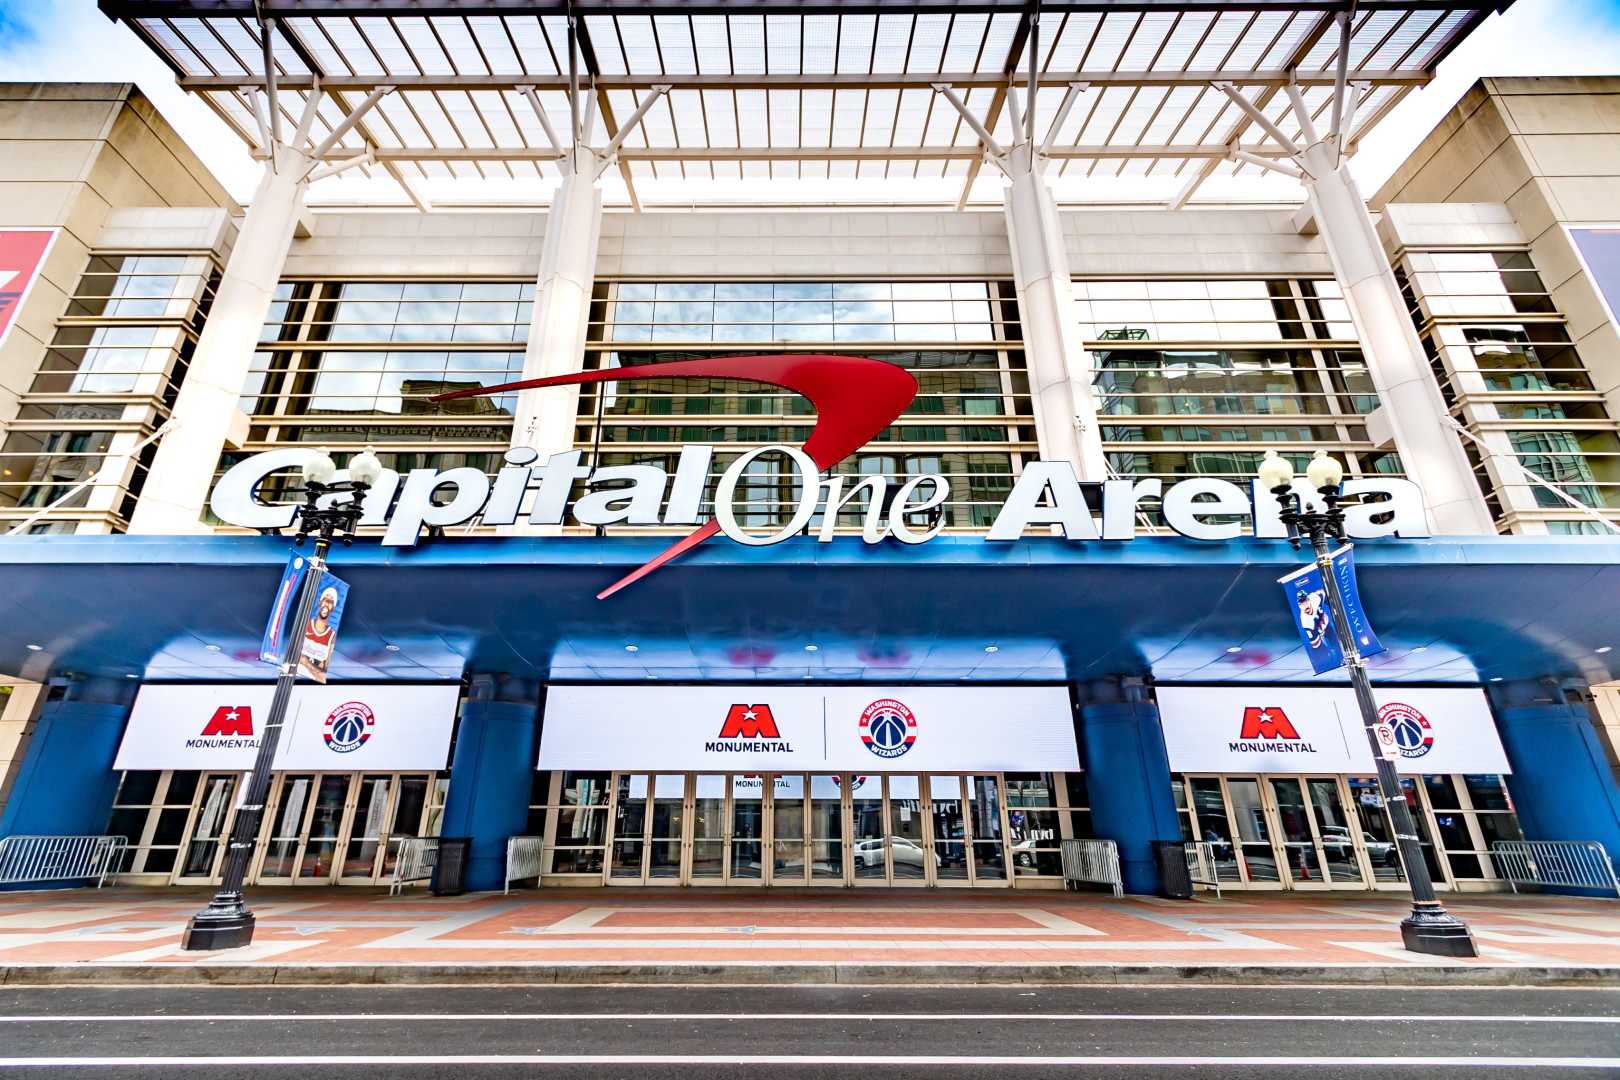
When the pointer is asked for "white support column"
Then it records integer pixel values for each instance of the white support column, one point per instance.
(176, 488)
(562, 304)
(1060, 370)
(1410, 399)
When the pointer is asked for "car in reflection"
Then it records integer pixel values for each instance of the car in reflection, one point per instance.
(869, 853)
(1338, 844)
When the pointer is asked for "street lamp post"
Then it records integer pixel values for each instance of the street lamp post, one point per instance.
(1430, 928)
(227, 923)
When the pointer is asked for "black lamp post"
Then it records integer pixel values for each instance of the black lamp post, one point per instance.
(1430, 928)
(227, 923)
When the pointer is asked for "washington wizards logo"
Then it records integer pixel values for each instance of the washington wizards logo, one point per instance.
(888, 728)
(348, 727)
(1414, 737)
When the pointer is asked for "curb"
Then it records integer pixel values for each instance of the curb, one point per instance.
(811, 974)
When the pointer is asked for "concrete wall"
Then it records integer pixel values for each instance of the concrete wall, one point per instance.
(778, 244)
(1550, 150)
(74, 152)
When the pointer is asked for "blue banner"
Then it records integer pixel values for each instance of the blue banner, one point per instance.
(1308, 601)
(320, 633)
(292, 576)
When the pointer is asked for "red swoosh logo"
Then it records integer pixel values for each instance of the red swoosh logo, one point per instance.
(855, 398)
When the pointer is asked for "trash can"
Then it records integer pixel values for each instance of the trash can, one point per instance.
(1175, 882)
(450, 872)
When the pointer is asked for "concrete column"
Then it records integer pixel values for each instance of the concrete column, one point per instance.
(1128, 779)
(66, 783)
(1060, 371)
(562, 306)
(176, 489)
(1411, 403)
(492, 772)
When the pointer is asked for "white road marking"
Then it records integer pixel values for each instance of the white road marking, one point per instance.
(820, 1016)
(598, 1060)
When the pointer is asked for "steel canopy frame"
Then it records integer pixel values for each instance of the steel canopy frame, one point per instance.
(821, 90)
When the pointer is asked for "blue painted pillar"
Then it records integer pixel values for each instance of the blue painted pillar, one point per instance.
(1128, 776)
(66, 783)
(1562, 784)
(491, 772)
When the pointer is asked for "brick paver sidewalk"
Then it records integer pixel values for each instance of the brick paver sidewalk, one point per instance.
(742, 927)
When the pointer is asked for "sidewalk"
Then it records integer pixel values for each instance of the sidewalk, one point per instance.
(699, 935)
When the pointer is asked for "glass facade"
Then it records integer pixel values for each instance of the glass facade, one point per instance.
(351, 364)
(1511, 376)
(970, 422)
(107, 380)
(1202, 377)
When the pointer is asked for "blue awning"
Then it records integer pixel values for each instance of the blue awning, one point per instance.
(1450, 610)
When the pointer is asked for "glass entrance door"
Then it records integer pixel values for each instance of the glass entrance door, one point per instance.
(870, 851)
(209, 830)
(912, 858)
(749, 842)
(708, 830)
(787, 830)
(826, 848)
(288, 812)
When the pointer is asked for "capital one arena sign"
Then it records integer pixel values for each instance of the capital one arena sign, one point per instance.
(855, 399)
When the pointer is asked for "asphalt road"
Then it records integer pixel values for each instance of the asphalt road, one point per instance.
(722, 1033)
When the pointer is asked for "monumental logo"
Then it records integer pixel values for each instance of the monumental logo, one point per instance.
(749, 729)
(1414, 736)
(349, 727)
(888, 728)
(231, 727)
(1268, 731)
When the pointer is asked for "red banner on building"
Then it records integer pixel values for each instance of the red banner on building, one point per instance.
(22, 253)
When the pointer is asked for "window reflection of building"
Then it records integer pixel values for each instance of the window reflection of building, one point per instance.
(107, 380)
(970, 421)
(1510, 374)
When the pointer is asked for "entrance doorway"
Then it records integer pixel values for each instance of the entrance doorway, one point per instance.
(1294, 832)
(833, 829)
(318, 829)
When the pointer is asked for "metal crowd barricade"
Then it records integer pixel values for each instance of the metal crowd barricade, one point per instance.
(1576, 864)
(1095, 861)
(415, 861)
(1201, 865)
(522, 859)
(26, 860)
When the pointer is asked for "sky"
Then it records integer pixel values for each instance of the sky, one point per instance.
(70, 40)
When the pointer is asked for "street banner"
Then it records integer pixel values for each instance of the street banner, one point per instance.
(292, 576)
(320, 633)
(1308, 601)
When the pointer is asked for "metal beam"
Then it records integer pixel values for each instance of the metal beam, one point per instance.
(247, 9)
(878, 81)
(811, 153)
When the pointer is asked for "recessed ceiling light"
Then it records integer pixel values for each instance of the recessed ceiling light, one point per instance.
(632, 648)
(809, 677)
(34, 648)
(1420, 648)
(212, 648)
(132, 675)
(992, 648)
(1602, 649)
(653, 677)
(812, 648)
(1496, 678)
(1234, 648)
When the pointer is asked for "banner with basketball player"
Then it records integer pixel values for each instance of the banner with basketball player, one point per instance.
(320, 632)
(1308, 603)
